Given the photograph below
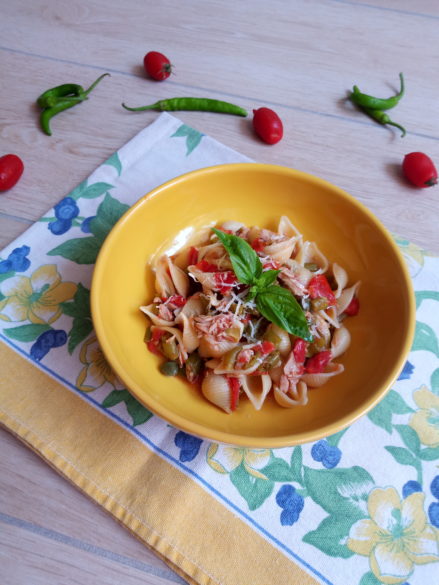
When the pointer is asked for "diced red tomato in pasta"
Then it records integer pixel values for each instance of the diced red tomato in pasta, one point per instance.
(353, 308)
(265, 347)
(177, 300)
(153, 343)
(319, 288)
(318, 362)
(192, 256)
(258, 244)
(234, 386)
(206, 266)
(271, 265)
(299, 351)
(224, 281)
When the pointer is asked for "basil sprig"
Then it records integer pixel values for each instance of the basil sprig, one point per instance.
(274, 302)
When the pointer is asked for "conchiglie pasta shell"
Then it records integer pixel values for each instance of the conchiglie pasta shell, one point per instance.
(190, 338)
(163, 281)
(341, 340)
(256, 388)
(211, 348)
(195, 305)
(155, 319)
(287, 228)
(179, 278)
(281, 251)
(296, 397)
(316, 380)
(309, 252)
(206, 279)
(331, 316)
(216, 390)
(232, 226)
(340, 277)
(346, 297)
(284, 343)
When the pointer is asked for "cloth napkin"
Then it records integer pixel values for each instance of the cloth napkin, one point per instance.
(359, 507)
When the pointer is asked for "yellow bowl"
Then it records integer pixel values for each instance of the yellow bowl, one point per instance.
(256, 194)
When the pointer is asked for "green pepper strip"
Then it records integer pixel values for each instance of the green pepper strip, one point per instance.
(368, 101)
(383, 118)
(59, 102)
(192, 104)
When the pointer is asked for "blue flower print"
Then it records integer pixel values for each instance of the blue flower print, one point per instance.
(433, 514)
(85, 225)
(189, 446)
(65, 211)
(411, 487)
(434, 487)
(407, 371)
(327, 454)
(17, 261)
(45, 342)
(292, 504)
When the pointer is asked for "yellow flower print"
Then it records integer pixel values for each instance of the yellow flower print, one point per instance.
(396, 536)
(425, 421)
(36, 298)
(225, 459)
(96, 371)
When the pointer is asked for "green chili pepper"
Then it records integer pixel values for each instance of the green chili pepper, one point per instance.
(368, 101)
(192, 104)
(60, 98)
(384, 118)
(48, 113)
(50, 97)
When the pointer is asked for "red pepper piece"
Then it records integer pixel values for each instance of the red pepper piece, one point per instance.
(234, 386)
(192, 256)
(319, 288)
(353, 308)
(299, 351)
(318, 362)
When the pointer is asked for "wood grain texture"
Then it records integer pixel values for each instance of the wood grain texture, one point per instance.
(300, 58)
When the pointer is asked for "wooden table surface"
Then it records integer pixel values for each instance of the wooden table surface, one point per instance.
(298, 57)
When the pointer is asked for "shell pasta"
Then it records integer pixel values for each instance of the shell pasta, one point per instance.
(225, 308)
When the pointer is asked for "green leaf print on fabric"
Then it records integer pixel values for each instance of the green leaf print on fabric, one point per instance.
(340, 491)
(409, 437)
(254, 490)
(425, 295)
(405, 457)
(114, 161)
(369, 579)
(79, 309)
(425, 339)
(193, 137)
(85, 191)
(435, 381)
(139, 414)
(278, 470)
(85, 250)
(330, 536)
(383, 412)
(26, 333)
(296, 465)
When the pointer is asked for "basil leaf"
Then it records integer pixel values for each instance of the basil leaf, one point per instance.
(279, 306)
(245, 261)
(267, 278)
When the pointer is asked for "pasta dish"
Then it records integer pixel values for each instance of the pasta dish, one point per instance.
(248, 313)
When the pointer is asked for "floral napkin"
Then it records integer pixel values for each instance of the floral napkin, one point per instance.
(359, 507)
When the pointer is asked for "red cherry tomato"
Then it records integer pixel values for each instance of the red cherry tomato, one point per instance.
(419, 169)
(267, 125)
(11, 169)
(157, 65)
